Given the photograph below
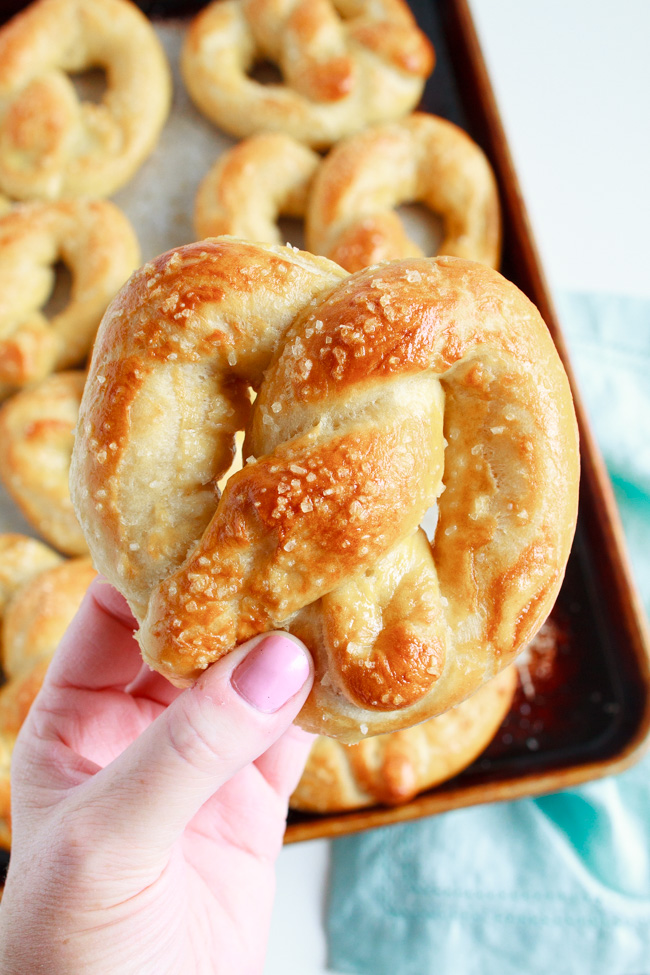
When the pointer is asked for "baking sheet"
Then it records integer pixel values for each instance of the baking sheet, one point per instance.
(578, 703)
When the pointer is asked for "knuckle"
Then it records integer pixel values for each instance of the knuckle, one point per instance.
(193, 732)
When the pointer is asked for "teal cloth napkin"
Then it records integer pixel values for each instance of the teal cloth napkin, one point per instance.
(552, 886)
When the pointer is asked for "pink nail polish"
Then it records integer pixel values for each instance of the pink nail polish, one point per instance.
(273, 671)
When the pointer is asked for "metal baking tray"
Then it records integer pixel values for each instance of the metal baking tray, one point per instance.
(586, 713)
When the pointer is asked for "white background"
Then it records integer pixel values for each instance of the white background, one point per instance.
(572, 80)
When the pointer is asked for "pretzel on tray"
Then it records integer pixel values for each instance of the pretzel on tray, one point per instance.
(377, 392)
(21, 559)
(392, 769)
(37, 613)
(96, 242)
(51, 144)
(36, 437)
(349, 198)
(351, 216)
(345, 64)
(251, 185)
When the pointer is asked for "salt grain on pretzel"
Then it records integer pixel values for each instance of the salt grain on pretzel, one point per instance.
(53, 145)
(378, 395)
(36, 437)
(345, 64)
(96, 243)
(425, 159)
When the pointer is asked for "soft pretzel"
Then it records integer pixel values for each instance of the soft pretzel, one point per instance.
(39, 613)
(391, 769)
(35, 618)
(345, 64)
(21, 559)
(36, 437)
(97, 244)
(376, 393)
(254, 183)
(16, 698)
(51, 144)
(421, 158)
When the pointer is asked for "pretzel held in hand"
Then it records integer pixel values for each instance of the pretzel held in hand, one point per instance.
(344, 65)
(378, 394)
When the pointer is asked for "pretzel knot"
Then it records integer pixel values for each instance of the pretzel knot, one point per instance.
(378, 394)
(53, 145)
(344, 64)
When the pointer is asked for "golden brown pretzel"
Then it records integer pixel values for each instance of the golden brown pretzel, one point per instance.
(377, 393)
(21, 559)
(16, 698)
(36, 437)
(97, 244)
(391, 769)
(35, 617)
(51, 144)
(421, 158)
(254, 183)
(39, 613)
(345, 64)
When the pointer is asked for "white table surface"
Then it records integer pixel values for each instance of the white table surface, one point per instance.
(572, 79)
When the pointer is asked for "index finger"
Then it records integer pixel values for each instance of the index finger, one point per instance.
(98, 650)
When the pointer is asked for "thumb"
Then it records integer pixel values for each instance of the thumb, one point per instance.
(236, 710)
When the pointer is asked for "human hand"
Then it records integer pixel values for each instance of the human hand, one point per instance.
(147, 820)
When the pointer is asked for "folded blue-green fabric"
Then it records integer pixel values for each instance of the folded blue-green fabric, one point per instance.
(553, 886)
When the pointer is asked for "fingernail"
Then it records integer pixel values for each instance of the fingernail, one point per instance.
(274, 670)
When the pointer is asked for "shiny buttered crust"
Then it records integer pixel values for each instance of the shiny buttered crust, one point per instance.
(96, 243)
(345, 64)
(379, 394)
(52, 145)
(252, 185)
(421, 159)
(36, 438)
(391, 769)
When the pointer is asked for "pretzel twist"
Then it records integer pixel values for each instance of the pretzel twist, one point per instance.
(339, 74)
(36, 438)
(351, 216)
(376, 393)
(96, 243)
(51, 144)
